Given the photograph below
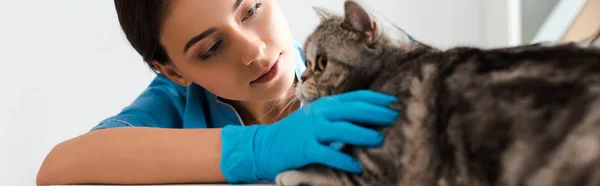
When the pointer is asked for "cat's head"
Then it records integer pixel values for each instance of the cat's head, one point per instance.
(345, 52)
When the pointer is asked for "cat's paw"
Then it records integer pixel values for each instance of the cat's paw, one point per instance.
(306, 178)
(291, 178)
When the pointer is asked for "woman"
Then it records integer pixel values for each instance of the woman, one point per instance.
(224, 68)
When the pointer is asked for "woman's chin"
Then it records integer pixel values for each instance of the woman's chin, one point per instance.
(281, 93)
(282, 88)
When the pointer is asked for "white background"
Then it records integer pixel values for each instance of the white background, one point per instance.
(65, 65)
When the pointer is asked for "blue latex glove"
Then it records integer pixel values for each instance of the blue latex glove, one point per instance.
(260, 152)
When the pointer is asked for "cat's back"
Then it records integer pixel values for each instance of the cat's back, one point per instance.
(523, 71)
(523, 114)
(555, 58)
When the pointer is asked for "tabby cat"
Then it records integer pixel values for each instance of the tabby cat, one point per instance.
(527, 115)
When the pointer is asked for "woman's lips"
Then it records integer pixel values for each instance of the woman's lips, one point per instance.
(269, 75)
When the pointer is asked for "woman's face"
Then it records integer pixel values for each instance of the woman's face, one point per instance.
(236, 49)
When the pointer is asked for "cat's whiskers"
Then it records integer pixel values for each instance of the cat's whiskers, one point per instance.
(285, 109)
(275, 106)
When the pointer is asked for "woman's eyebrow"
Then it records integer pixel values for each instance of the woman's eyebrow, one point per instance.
(197, 38)
(236, 5)
(207, 32)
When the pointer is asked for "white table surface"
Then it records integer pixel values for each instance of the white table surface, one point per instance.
(261, 184)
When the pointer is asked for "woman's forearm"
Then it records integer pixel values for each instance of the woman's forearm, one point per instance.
(135, 155)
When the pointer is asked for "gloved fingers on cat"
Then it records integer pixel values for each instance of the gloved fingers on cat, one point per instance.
(348, 133)
(334, 158)
(368, 96)
(364, 113)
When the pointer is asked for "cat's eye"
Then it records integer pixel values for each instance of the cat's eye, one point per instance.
(321, 63)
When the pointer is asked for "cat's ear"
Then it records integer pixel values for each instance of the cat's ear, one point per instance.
(323, 13)
(359, 19)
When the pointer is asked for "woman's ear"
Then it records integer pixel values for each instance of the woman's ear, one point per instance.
(172, 73)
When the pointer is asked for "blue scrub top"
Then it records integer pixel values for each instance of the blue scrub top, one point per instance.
(166, 104)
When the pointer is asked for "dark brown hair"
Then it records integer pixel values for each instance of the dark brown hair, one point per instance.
(141, 22)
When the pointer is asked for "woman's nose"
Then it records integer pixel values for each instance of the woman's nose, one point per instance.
(252, 48)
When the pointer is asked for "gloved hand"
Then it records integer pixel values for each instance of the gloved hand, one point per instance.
(260, 152)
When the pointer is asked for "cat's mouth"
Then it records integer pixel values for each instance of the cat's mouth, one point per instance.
(304, 95)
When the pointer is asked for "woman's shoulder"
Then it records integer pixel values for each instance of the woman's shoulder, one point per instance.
(299, 59)
(161, 105)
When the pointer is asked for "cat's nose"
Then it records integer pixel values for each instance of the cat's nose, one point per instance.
(304, 77)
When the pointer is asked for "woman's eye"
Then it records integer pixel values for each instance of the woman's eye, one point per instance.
(211, 52)
(252, 11)
(321, 63)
